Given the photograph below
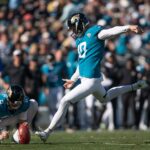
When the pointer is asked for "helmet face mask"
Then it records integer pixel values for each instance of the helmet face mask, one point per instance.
(77, 24)
(15, 97)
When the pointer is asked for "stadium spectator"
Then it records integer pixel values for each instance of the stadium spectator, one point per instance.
(144, 107)
(52, 75)
(33, 80)
(16, 69)
(129, 75)
(111, 71)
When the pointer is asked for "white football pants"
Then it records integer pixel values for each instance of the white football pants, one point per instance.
(27, 115)
(88, 86)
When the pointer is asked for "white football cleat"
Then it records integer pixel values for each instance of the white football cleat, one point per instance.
(43, 135)
(141, 84)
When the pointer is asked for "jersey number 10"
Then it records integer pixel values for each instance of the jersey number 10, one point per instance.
(82, 50)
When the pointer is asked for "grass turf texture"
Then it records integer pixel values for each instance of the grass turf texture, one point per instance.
(129, 140)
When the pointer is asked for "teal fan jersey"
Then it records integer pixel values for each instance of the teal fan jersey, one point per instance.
(5, 112)
(54, 73)
(90, 52)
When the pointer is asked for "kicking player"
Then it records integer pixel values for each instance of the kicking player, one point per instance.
(90, 42)
(15, 108)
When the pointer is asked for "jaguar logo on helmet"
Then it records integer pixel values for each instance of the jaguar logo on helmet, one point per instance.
(75, 18)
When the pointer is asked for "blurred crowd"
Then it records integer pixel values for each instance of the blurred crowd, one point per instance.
(37, 52)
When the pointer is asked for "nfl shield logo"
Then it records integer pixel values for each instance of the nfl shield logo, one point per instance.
(89, 35)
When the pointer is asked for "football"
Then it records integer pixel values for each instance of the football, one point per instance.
(22, 135)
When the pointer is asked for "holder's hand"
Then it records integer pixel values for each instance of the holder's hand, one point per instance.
(4, 135)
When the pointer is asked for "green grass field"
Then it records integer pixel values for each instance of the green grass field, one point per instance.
(129, 140)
